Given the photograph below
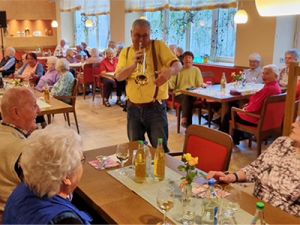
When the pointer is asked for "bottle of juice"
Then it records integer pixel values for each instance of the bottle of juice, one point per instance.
(159, 161)
(47, 93)
(223, 83)
(140, 163)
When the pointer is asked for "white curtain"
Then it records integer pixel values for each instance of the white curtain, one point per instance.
(88, 7)
(152, 5)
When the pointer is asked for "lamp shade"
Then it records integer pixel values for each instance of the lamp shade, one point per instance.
(54, 24)
(240, 17)
(277, 7)
(89, 23)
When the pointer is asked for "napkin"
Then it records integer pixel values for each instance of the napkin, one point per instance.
(104, 162)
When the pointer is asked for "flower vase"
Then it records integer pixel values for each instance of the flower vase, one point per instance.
(237, 84)
(187, 193)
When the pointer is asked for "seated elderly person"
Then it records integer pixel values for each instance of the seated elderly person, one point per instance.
(109, 64)
(50, 77)
(64, 86)
(80, 54)
(189, 77)
(292, 55)
(18, 110)
(52, 166)
(8, 62)
(254, 73)
(275, 173)
(70, 56)
(271, 87)
(94, 58)
(32, 71)
(61, 49)
(84, 48)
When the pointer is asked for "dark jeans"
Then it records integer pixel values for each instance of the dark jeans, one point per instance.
(109, 86)
(148, 119)
(187, 106)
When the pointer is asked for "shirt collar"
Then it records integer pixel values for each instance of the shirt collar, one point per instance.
(23, 132)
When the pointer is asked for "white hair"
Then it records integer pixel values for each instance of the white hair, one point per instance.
(109, 50)
(255, 57)
(94, 52)
(273, 68)
(49, 156)
(11, 51)
(62, 65)
(69, 51)
(52, 60)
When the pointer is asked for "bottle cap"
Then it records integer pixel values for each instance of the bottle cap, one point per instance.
(140, 142)
(160, 140)
(260, 205)
(211, 182)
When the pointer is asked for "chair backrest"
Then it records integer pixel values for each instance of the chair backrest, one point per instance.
(88, 73)
(96, 68)
(213, 147)
(272, 113)
(208, 76)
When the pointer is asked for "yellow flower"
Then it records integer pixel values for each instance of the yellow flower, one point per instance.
(193, 161)
(187, 157)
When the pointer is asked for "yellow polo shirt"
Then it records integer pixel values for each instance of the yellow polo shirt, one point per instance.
(144, 94)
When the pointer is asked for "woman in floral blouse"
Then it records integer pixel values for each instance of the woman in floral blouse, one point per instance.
(276, 173)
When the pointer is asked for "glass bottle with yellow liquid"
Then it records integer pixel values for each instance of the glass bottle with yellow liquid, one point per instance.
(140, 163)
(159, 161)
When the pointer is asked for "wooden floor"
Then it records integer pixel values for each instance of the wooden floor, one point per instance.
(101, 126)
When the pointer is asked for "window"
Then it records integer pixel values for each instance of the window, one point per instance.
(97, 36)
(207, 32)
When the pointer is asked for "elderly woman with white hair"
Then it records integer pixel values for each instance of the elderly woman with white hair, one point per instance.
(95, 57)
(64, 86)
(52, 167)
(50, 77)
(271, 87)
(254, 73)
(109, 64)
(8, 62)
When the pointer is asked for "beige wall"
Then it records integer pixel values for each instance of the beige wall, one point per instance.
(117, 20)
(255, 36)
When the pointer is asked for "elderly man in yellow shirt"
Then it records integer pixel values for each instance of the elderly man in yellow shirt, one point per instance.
(146, 94)
(189, 77)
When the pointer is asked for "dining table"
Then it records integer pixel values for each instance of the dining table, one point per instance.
(117, 203)
(231, 93)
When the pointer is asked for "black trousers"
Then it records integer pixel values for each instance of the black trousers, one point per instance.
(109, 86)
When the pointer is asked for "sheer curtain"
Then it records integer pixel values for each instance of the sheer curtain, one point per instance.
(152, 5)
(87, 7)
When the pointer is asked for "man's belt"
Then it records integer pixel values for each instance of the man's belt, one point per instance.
(143, 105)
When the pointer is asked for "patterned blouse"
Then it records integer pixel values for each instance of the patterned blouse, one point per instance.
(276, 174)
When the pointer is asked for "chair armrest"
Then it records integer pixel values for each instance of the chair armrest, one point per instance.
(175, 153)
(235, 110)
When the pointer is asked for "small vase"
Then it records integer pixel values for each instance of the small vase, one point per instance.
(187, 193)
(237, 84)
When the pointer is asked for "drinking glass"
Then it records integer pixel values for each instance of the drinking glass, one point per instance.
(209, 85)
(122, 154)
(165, 200)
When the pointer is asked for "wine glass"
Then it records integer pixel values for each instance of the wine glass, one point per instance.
(165, 200)
(122, 154)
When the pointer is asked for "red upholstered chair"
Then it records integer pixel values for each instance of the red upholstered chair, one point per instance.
(86, 77)
(97, 79)
(213, 148)
(269, 123)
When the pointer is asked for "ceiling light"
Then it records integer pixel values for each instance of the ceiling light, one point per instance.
(241, 17)
(54, 24)
(277, 7)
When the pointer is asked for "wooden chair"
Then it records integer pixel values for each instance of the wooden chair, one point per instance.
(86, 77)
(213, 148)
(270, 120)
(72, 101)
(97, 80)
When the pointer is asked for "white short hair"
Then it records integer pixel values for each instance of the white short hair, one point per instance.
(49, 156)
(109, 50)
(52, 60)
(62, 65)
(273, 68)
(11, 51)
(255, 57)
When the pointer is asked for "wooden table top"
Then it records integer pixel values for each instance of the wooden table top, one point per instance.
(214, 92)
(118, 204)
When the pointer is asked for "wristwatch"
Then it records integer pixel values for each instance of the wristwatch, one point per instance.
(235, 175)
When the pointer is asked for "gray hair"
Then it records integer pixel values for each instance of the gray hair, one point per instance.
(52, 60)
(273, 68)
(62, 65)
(49, 156)
(94, 52)
(142, 23)
(11, 51)
(109, 50)
(294, 52)
(14, 97)
(255, 57)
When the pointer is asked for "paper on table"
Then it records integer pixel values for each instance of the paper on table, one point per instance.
(42, 104)
(105, 162)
